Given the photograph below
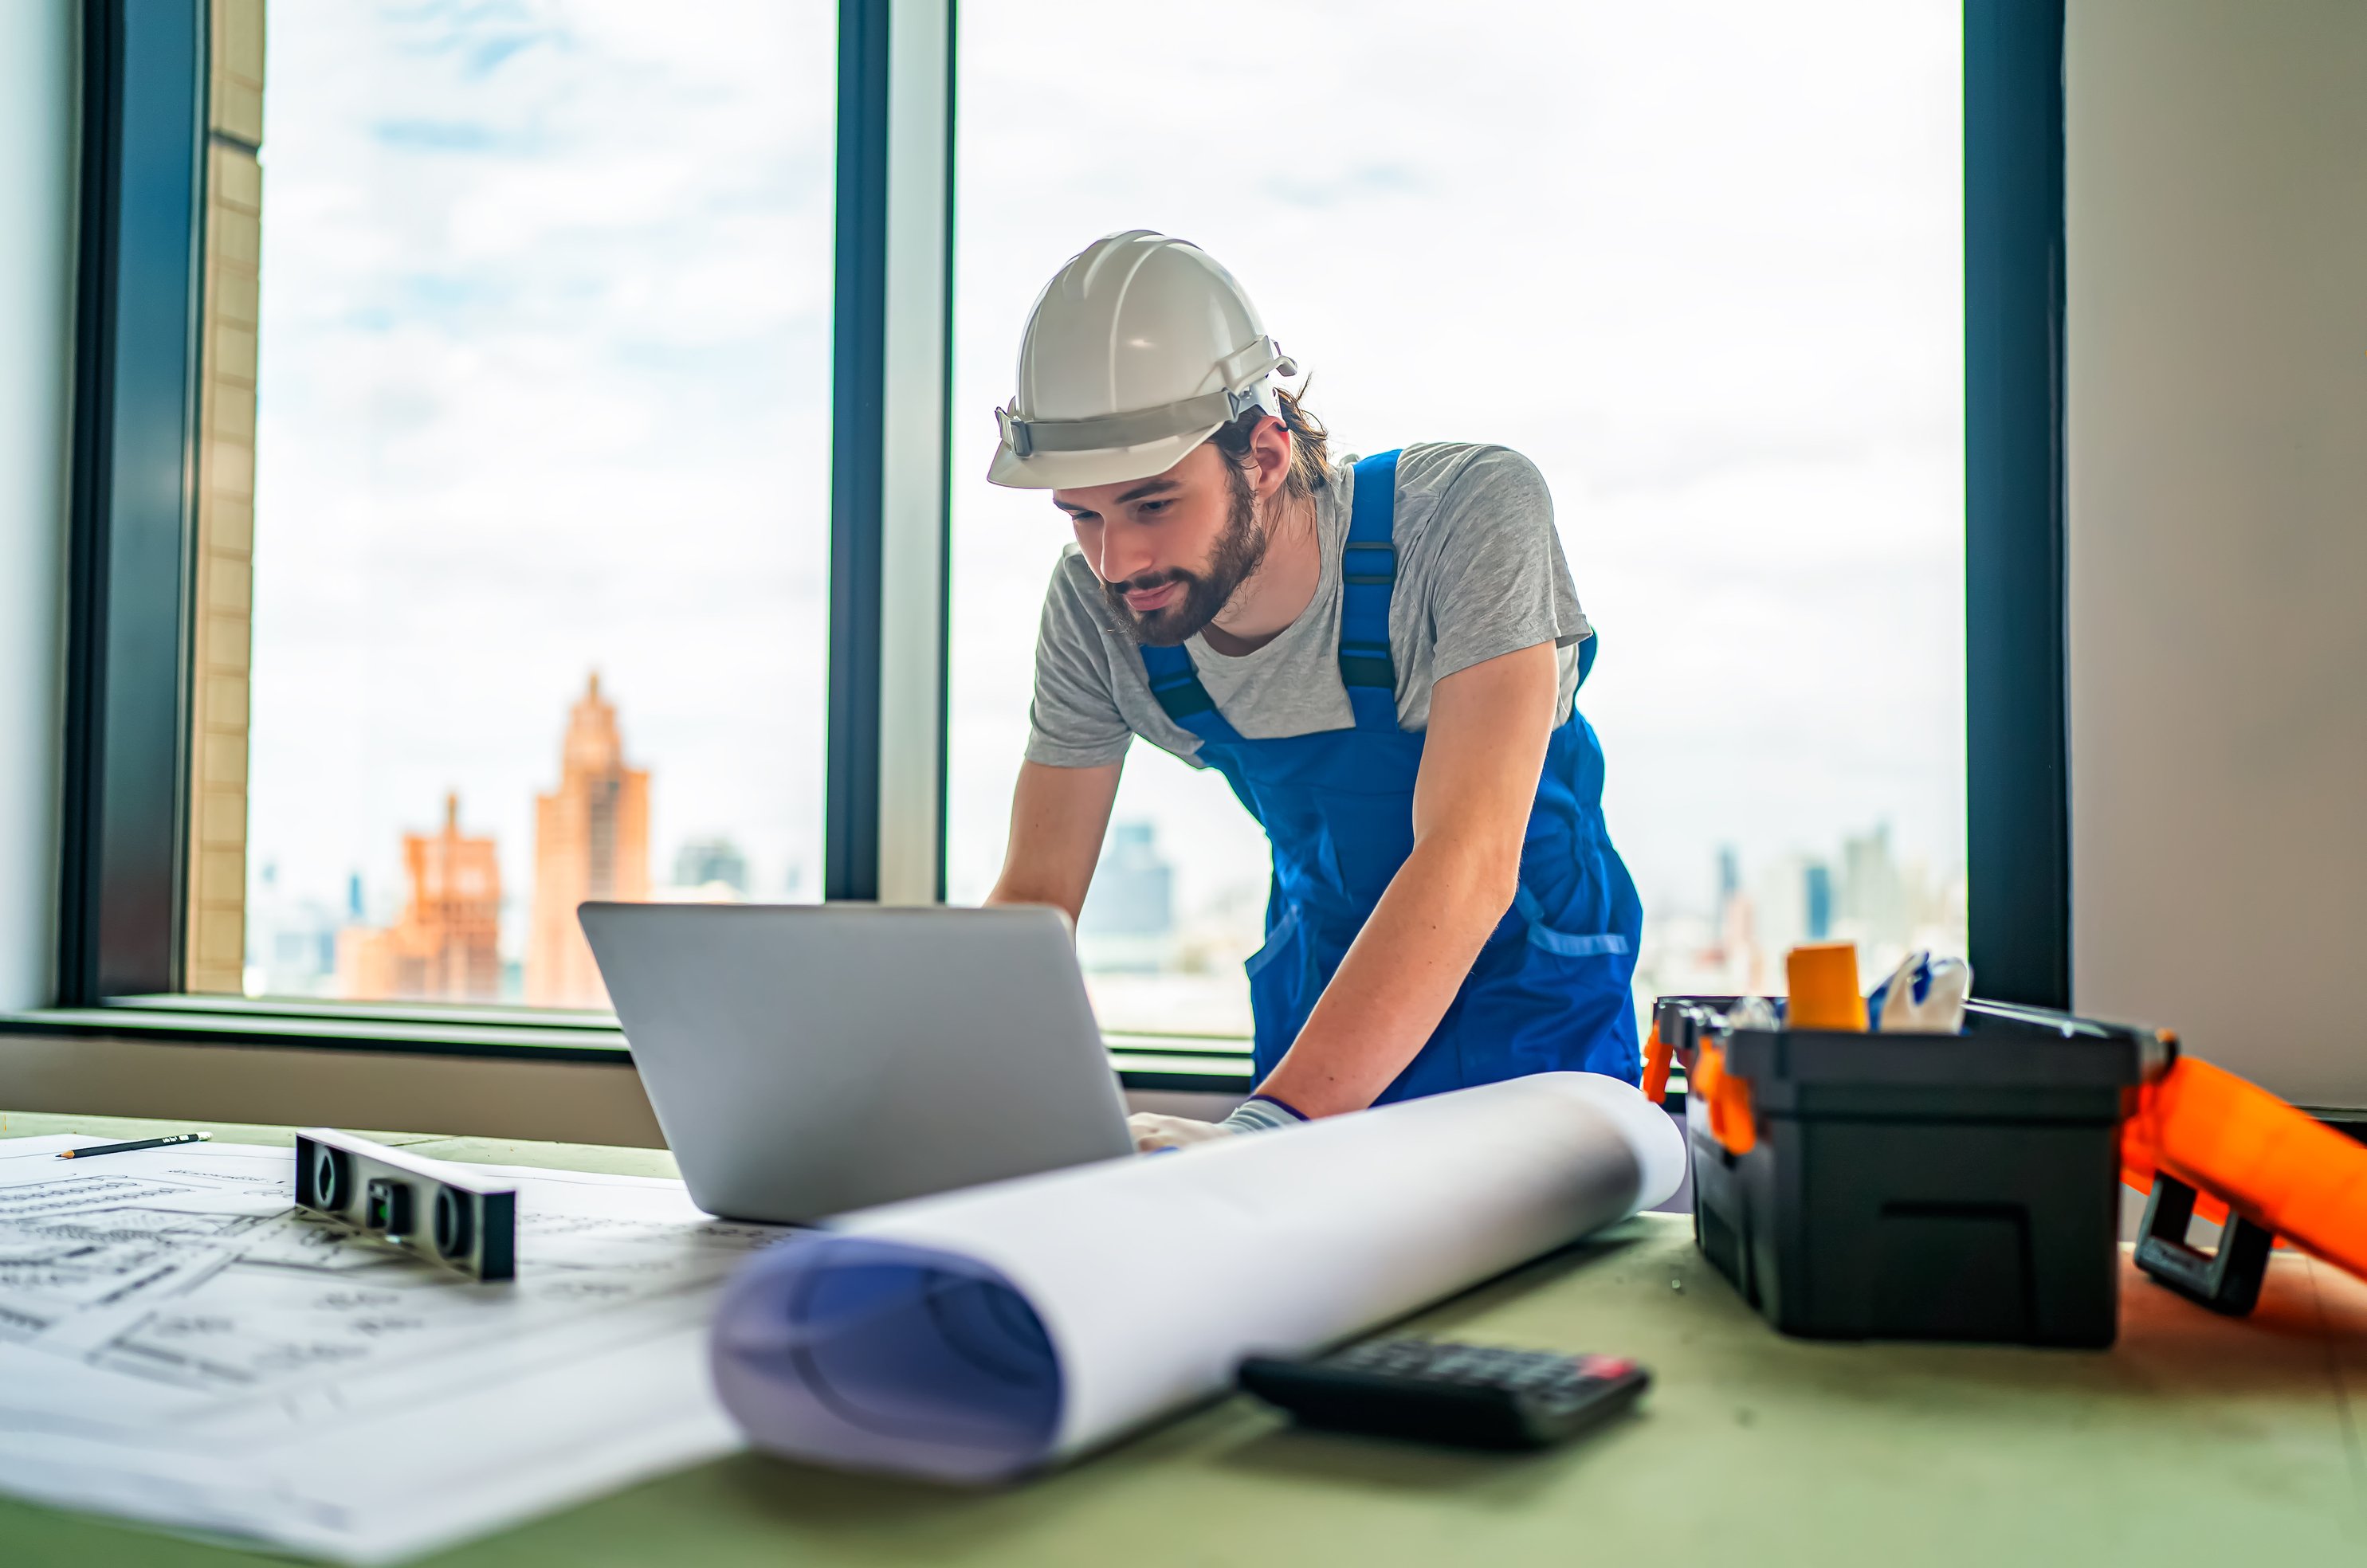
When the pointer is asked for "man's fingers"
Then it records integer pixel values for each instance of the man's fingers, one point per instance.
(1153, 1131)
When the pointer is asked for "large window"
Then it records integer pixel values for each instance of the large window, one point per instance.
(509, 466)
(1702, 263)
(541, 484)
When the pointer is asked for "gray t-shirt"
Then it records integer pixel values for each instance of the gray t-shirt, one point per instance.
(1480, 574)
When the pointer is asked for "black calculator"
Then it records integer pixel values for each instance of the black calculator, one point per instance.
(1434, 1391)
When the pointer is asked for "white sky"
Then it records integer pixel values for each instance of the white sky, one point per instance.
(1699, 261)
(545, 386)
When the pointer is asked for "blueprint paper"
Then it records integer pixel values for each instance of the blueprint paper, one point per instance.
(179, 1347)
(976, 1336)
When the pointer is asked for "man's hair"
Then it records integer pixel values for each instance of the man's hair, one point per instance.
(1309, 461)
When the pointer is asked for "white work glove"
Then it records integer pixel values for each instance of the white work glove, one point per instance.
(1923, 996)
(1261, 1113)
(1753, 1012)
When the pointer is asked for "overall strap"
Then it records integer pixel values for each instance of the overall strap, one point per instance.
(1368, 574)
(1177, 686)
(1586, 652)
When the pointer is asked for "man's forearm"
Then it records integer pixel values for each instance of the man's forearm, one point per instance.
(1057, 818)
(1398, 976)
(1020, 889)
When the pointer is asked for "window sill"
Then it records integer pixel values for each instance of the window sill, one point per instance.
(1184, 1062)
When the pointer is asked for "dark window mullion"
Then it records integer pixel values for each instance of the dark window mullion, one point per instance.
(141, 229)
(858, 410)
(2017, 758)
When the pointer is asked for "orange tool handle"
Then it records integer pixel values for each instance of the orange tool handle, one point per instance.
(1656, 1067)
(1727, 1100)
(2280, 1167)
(1732, 1120)
(1823, 980)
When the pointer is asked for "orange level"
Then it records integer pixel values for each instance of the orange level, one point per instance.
(2241, 1148)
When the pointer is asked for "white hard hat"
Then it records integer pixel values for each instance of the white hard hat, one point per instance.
(1142, 348)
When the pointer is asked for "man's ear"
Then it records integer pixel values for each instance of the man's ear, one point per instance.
(1270, 451)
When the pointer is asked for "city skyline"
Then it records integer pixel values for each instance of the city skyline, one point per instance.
(1139, 953)
(445, 941)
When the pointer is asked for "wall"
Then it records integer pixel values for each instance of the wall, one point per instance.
(568, 1102)
(214, 956)
(36, 117)
(2217, 356)
(571, 1102)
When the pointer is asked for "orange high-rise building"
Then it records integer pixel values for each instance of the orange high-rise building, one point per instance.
(591, 841)
(447, 946)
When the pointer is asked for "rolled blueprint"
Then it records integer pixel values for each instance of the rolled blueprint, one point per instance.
(976, 1336)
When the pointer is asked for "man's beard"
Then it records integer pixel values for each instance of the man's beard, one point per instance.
(1239, 551)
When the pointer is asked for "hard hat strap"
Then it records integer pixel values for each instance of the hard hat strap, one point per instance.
(1135, 428)
(1246, 388)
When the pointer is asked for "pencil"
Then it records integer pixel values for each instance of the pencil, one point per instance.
(141, 1144)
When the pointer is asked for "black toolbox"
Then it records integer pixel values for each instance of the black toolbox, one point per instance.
(1961, 1187)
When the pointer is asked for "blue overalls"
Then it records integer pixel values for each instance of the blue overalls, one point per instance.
(1550, 988)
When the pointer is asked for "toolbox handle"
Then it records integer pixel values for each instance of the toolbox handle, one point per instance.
(1733, 1119)
(1657, 1057)
(2227, 1281)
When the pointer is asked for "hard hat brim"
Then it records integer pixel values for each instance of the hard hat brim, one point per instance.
(1081, 470)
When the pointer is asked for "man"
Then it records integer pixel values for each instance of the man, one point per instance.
(1382, 658)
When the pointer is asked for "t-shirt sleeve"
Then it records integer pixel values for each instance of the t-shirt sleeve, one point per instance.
(1502, 583)
(1074, 721)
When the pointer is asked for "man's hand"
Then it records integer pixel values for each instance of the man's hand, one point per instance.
(1153, 1131)
(1258, 1114)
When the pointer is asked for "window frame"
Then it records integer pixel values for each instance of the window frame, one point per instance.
(132, 495)
(122, 906)
(2017, 507)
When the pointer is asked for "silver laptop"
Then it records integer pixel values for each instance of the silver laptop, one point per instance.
(805, 1060)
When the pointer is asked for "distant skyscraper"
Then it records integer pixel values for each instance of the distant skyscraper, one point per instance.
(1873, 894)
(1132, 889)
(591, 842)
(1816, 885)
(291, 942)
(1779, 897)
(1128, 920)
(446, 946)
(703, 861)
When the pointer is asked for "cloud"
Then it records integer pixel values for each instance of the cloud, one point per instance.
(436, 136)
(1355, 186)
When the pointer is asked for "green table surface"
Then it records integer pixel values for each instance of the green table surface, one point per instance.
(2195, 1440)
